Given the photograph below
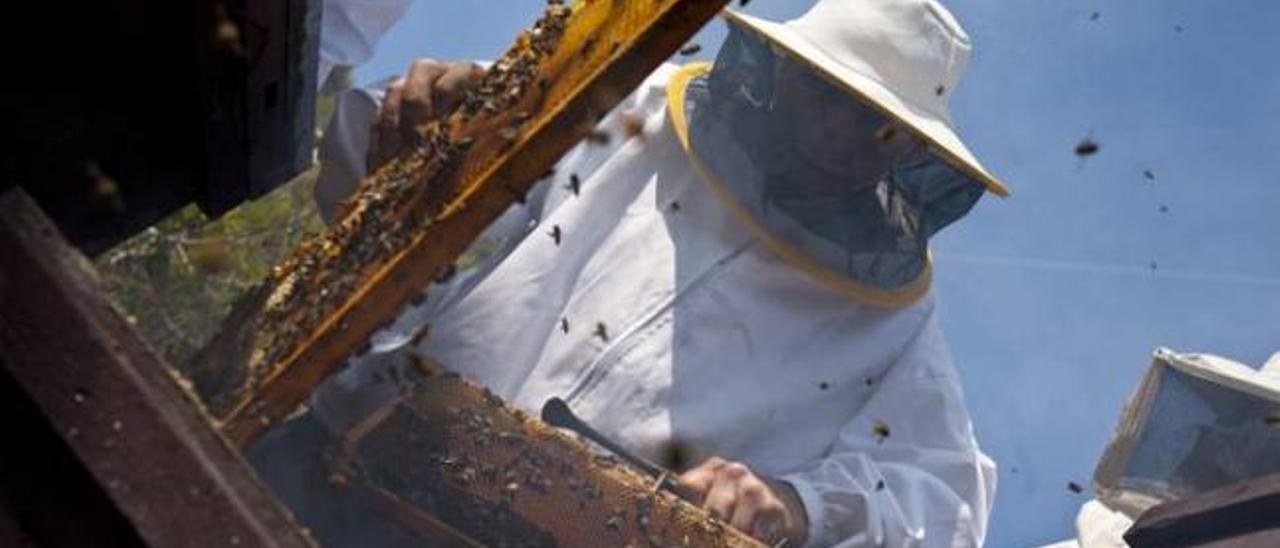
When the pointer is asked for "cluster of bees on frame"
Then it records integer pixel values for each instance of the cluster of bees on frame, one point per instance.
(499, 450)
(380, 219)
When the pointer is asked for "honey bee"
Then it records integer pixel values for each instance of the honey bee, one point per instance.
(602, 331)
(104, 188)
(226, 35)
(880, 429)
(555, 234)
(1074, 487)
(691, 49)
(575, 184)
(886, 133)
(446, 274)
(564, 325)
(597, 137)
(1087, 147)
(632, 125)
(418, 299)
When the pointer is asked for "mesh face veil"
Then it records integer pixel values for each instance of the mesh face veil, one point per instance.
(817, 170)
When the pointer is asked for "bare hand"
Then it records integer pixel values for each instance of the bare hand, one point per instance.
(427, 92)
(767, 509)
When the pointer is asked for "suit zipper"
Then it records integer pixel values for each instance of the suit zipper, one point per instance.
(611, 354)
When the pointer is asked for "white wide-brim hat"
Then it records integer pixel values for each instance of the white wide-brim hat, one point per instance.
(903, 57)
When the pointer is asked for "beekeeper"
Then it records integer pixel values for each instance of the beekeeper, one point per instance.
(740, 274)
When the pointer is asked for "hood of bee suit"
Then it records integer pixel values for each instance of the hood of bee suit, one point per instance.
(829, 181)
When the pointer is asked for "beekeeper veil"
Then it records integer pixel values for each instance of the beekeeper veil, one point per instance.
(826, 176)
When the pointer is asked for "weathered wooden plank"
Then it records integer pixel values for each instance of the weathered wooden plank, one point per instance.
(115, 404)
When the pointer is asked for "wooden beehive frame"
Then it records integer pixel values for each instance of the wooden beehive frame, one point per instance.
(419, 212)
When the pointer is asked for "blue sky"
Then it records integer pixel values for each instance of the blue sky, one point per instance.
(1054, 298)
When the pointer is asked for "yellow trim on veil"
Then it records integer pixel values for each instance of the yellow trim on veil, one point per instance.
(876, 296)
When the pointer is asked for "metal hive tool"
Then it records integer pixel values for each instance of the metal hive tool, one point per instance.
(454, 452)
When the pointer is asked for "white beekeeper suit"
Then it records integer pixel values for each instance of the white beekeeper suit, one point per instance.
(667, 306)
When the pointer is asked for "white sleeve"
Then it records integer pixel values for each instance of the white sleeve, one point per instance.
(350, 30)
(343, 149)
(925, 483)
(368, 382)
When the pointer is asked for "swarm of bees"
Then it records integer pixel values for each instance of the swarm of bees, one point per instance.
(389, 207)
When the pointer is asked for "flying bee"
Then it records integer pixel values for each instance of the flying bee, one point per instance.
(564, 325)
(886, 133)
(691, 49)
(1087, 147)
(226, 34)
(597, 137)
(446, 274)
(632, 125)
(1149, 175)
(104, 188)
(418, 298)
(555, 234)
(1074, 487)
(602, 331)
(880, 429)
(575, 184)
(1273, 419)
